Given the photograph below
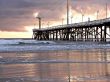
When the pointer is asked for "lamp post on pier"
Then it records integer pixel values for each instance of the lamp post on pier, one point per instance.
(67, 12)
(82, 17)
(97, 14)
(39, 18)
(48, 24)
(106, 10)
(71, 19)
(62, 21)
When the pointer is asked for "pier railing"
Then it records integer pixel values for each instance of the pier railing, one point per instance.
(98, 30)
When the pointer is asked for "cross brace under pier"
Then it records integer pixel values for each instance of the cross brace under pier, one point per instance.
(87, 31)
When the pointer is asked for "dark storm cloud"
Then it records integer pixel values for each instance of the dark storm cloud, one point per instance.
(15, 14)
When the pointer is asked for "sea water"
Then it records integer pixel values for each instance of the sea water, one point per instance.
(11, 45)
(50, 61)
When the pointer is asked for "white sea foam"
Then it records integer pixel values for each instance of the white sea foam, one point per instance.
(34, 45)
(20, 41)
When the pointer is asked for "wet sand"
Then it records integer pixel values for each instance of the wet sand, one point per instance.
(56, 66)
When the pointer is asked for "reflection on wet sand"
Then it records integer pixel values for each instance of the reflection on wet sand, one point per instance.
(96, 71)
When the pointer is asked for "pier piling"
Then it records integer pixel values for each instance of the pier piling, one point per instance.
(85, 31)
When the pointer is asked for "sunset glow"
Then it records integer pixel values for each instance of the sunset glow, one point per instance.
(22, 17)
(15, 34)
(29, 28)
(36, 14)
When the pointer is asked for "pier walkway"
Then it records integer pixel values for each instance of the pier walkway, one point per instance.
(97, 30)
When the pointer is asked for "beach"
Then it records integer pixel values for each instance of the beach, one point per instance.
(84, 65)
(54, 40)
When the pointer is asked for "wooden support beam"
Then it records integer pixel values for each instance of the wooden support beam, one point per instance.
(101, 33)
(105, 30)
(85, 34)
(56, 35)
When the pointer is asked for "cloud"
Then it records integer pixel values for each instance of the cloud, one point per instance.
(16, 14)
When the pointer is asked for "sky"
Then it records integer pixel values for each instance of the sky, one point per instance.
(17, 16)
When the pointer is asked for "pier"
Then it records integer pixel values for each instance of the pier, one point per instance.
(97, 30)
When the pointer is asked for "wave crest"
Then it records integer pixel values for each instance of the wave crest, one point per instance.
(24, 42)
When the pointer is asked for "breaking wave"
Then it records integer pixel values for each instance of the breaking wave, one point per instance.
(34, 45)
(19, 42)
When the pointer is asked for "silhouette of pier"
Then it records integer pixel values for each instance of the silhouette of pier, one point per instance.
(97, 30)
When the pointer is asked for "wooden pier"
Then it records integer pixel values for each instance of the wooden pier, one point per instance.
(97, 30)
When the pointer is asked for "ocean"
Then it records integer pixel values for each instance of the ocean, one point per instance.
(26, 60)
(13, 45)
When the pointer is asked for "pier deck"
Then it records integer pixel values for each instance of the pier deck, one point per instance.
(97, 30)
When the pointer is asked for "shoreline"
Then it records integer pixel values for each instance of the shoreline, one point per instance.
(47, 51)
(46, 46)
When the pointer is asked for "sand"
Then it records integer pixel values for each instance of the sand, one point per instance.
(47, 70)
